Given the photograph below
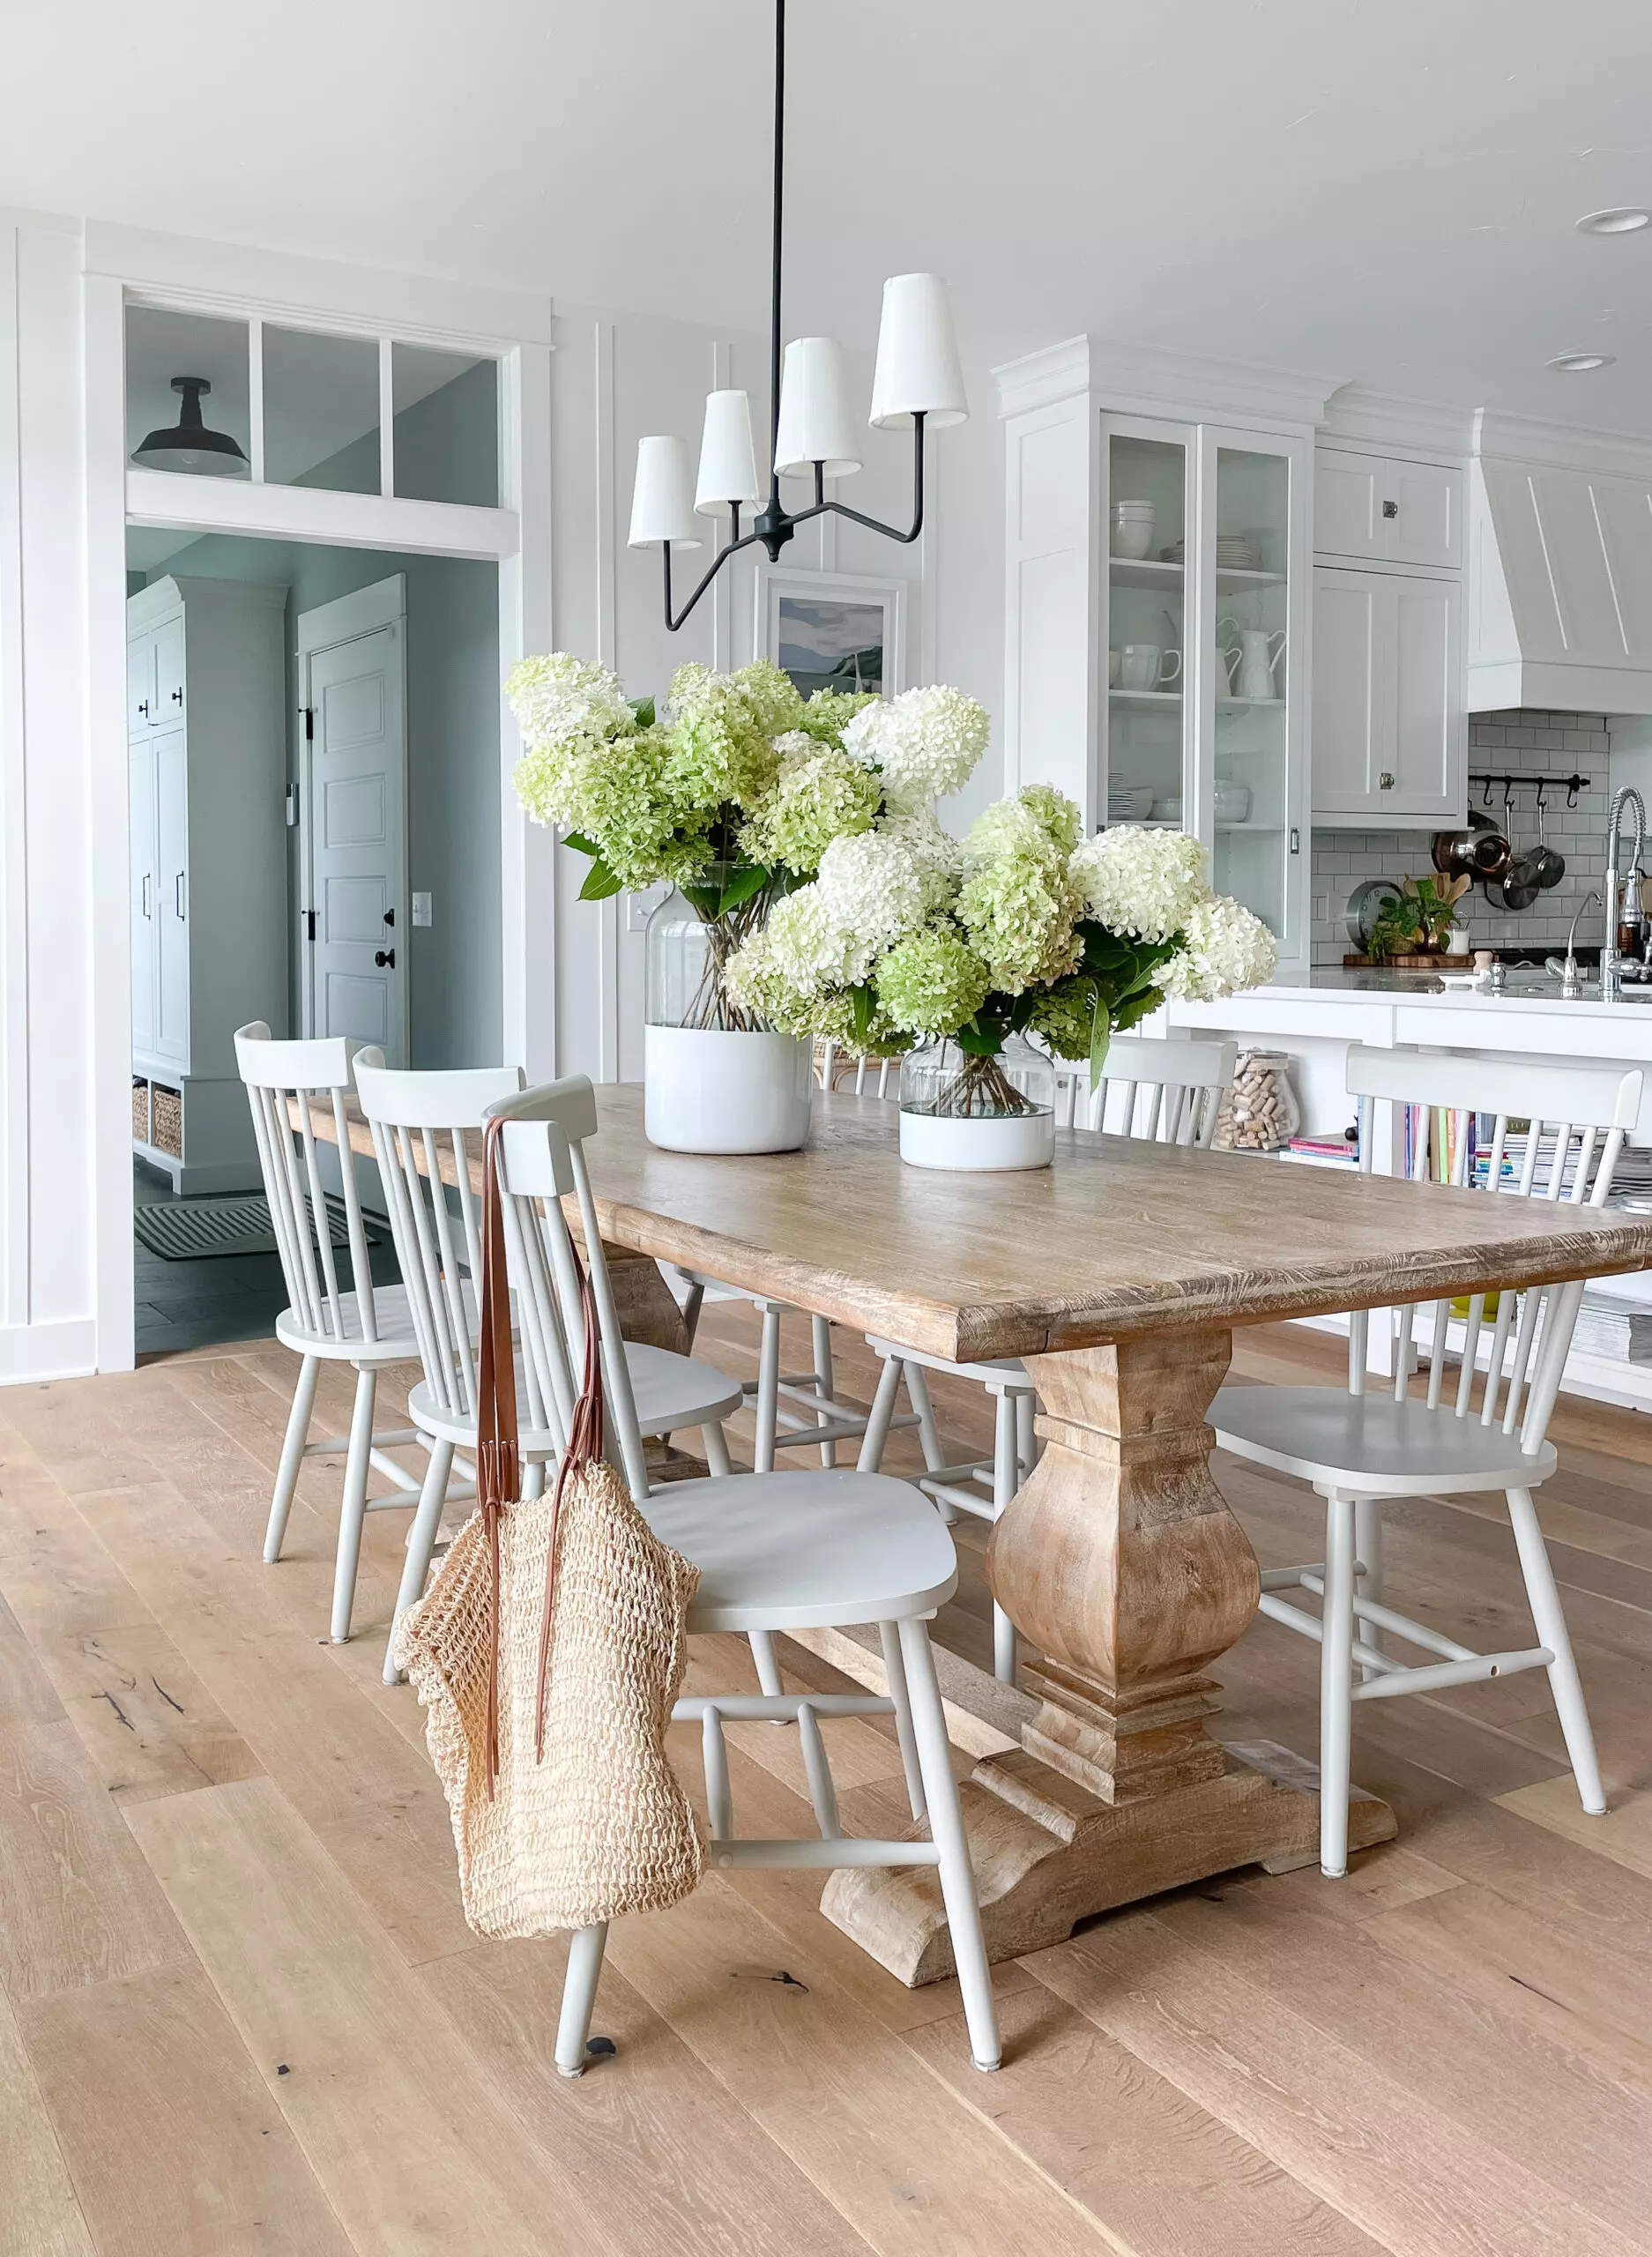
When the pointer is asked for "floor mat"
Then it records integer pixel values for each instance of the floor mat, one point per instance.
(190, 1230)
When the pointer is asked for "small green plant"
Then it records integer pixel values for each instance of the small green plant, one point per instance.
(1418, 921)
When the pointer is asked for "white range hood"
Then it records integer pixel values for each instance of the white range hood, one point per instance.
(1561, 568)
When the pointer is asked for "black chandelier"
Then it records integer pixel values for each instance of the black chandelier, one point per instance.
(918, 383)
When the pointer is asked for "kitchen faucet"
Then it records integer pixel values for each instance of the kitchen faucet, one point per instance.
(1611, 963)
(1570, 984)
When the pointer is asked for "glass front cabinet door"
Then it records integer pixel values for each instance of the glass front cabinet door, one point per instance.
(1204, 536)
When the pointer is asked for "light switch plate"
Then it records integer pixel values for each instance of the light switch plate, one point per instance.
(421, 908)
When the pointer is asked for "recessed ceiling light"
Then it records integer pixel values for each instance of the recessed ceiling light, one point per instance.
(1576, 364)
(1622, 220)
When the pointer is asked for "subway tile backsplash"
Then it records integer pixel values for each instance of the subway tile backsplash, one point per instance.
(1522, 742)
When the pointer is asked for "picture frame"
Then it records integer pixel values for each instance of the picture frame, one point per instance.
(852, 629)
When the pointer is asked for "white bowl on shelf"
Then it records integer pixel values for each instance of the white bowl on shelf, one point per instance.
(1130, 803)
(1130, 529)
(1167, 810)
(1232, 802)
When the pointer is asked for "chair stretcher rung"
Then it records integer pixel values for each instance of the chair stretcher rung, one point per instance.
(1437, 1676)
(1385, 1618)
(1290, 1578)
(835, 1852)
(963, 1500)
(767, 1708)
(395, 1500)
(800, 1436)
(1309, 1626)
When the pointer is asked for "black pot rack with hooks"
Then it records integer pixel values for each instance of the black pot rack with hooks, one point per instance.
(1570, 784)
(775, 525)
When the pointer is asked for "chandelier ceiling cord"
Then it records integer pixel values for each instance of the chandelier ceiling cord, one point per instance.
(918, 383)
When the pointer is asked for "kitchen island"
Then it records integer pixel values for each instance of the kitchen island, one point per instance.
(1313, 1026)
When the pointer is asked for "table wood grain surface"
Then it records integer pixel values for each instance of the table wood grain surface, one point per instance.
(1119, 1273)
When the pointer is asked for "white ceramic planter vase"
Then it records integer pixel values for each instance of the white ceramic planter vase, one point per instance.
(1007, 1141)
(708, 1091)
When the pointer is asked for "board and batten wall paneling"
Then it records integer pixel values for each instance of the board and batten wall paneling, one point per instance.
(615, 380)
(47, 1204)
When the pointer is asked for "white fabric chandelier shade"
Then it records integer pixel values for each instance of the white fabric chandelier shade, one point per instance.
(918, 370)
(662, 500)
(816, 425)
(728, 461)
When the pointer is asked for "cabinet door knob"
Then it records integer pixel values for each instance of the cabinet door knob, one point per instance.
(1390, 509)
(1386, 780)
(384, 958)
(143, 707)
(177, 697)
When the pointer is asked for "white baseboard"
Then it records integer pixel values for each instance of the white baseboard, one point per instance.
(33, 1352)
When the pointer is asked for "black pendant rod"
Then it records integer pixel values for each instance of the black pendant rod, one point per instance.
(775, 524)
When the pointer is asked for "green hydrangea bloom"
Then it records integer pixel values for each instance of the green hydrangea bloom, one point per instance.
(820, 794)
(1064, 1015)
(932, 982)
(828, 713)
(637, 808)
(721, 728)
(1019, 911)
(1060, 819)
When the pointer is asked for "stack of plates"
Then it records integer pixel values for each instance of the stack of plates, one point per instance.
(1235, 552)
(1129, 802)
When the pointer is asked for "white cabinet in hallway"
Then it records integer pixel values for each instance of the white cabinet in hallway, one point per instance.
(207, 771)
(1390, 731)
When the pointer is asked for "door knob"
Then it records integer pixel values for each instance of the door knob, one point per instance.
(1390, 509)
(1385, 782)
(177, 697)
(384, 958)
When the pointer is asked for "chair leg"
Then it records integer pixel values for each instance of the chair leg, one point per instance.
(1564, 1682)
(878, 1417)
(291, 1457)
(715, 1441)
(691, 1308)
(821, 1335)
(895, 1668)
(1368, 1554)
(353, 1510)
(1006, 1471)
(1026, 1434)
(1336, 1707)
(768, 1406)
(762, 1645)
(946, 1827)
(421, 1539)
(579, 1998)
(929, 1433)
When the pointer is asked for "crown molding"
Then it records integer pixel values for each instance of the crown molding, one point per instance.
(1358, 417)
(1143, 380)
(1562, 446)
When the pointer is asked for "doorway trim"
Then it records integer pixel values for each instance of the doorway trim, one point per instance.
(328, 627)
(118, 264)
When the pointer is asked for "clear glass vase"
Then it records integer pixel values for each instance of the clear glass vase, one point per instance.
(962, 1111)
(686, 953)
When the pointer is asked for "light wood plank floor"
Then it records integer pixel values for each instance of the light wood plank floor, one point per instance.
(238, 2010)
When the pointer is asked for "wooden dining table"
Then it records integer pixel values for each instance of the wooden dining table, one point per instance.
(1119, 1275)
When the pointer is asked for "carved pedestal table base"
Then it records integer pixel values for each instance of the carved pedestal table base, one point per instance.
(1120, 1561)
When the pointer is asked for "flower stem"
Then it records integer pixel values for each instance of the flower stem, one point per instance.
(979, 1090)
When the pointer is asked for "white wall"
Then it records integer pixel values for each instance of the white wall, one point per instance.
(615, 379)
(47, 1205)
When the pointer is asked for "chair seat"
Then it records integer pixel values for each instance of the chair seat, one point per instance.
(397, 1342)
(796, 1551)
(671, 1391)
(1370, 1443)
(998, 1372)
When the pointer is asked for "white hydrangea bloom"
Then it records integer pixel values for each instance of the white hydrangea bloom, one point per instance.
(937, 854)
(559, 696)
(795, 744)
(1144, 883)
(1227, 947)
(805, 943)
(872, 889)
(926, 742)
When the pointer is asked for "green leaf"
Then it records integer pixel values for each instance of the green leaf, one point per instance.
(981, 1039)
(862, 1004)
(600, 882)
(581, 845)
(1100, 1036)
(644, 709)
(741, 886)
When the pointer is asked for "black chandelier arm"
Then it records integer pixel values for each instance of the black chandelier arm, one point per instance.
(729, 548)
(858, 516)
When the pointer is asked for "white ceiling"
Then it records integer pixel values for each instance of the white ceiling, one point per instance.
(1379, 190)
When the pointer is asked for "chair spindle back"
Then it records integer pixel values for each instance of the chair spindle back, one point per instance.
(1166, 1092)
(313, 1073)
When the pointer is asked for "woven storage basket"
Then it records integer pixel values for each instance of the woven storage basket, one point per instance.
(165, 1113)
(140, 1113)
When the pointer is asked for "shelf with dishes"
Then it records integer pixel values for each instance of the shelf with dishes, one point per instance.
(1153, 572)
(1173, 697)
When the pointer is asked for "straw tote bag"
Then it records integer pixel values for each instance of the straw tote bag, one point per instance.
(547, 1653)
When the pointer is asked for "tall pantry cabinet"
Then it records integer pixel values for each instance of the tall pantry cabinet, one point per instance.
(206, 716)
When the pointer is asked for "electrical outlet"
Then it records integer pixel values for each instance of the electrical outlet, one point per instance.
(421, 908)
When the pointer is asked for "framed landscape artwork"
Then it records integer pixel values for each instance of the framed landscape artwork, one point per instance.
(829, 630)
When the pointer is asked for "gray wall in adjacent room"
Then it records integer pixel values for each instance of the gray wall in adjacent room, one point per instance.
(454, 990)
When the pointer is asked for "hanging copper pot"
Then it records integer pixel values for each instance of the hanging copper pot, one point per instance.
(1472, 853)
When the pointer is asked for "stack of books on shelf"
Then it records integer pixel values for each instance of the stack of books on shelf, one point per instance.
(1334, 1150)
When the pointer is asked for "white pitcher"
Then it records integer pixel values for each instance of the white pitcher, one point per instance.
(1258, 660)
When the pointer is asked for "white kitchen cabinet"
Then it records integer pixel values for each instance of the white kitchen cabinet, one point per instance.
(207, 770)
(1377, 509)
(1390, 731)
(1224, 563)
